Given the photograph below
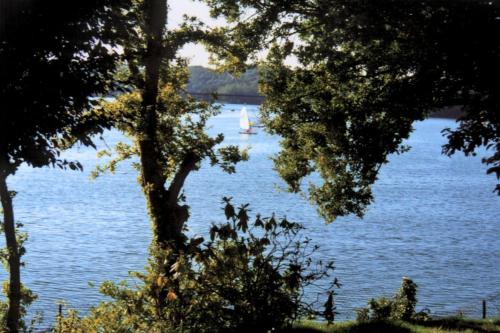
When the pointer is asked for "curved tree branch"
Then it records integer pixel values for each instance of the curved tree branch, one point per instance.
(188, 164)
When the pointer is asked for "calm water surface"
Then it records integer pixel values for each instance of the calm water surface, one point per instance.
(434, 219)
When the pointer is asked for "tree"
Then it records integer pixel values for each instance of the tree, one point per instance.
(366, 71)
(165, 123)
(53, 57)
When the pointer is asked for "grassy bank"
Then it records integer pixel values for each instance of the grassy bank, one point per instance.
(447, 325)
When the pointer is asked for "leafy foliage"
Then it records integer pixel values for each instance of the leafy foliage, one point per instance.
(27, 297)
(180, 128)
(405, 300)
(181, 142)
(53, 57)
(367, 70)
(400, 307)
(250, 277)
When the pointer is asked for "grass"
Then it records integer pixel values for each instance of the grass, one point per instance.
(444, 325)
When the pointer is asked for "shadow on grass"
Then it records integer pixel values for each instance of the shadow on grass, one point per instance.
(371, 327)
(460, 324)
(303, 330)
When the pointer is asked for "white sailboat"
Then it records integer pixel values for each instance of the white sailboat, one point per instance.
(245, 122)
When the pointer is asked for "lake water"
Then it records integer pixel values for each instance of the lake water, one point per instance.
(434, 219)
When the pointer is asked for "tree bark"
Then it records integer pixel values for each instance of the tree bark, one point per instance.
(14, 291)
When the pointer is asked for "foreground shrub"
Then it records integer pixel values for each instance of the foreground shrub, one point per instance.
(400, 307)
(405, 300)
(249, 277)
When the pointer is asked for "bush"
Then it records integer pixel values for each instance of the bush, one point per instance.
(381, 308)
(405, 300)
(400, 307)
(249, 277)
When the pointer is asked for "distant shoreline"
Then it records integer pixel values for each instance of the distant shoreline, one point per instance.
(445, 113)
(231, 98)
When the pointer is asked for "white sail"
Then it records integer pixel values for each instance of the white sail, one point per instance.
(244, 122)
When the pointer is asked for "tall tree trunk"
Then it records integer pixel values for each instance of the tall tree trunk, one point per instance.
(164, 215)
(14, 292)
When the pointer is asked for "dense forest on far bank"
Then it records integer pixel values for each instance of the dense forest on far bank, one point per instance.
(204, 81)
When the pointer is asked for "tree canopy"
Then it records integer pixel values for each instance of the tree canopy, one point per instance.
(54, 56)
(367, 70)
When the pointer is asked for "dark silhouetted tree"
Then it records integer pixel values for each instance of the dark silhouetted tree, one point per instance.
(54, 55)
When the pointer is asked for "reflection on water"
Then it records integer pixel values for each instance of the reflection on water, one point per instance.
(434, 219)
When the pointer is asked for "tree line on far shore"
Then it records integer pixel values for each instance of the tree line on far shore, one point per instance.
(207, 81)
